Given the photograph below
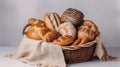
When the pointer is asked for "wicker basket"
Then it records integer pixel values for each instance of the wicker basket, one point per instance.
(79, 55)
(75, 56)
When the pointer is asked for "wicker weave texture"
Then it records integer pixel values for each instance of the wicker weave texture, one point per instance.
(79, 55)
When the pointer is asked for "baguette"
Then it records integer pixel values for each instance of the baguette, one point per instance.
(64, 40)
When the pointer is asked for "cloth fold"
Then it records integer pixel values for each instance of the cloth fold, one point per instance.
(101, 51)
(40, 53)
(46, 54)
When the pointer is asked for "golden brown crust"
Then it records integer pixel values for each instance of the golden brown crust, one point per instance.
(86, 32)
(80, 41)
(34, 21)
(31, 20)
(91, 26)
(36, 32)
(77, 41)
(51, 35)
(48, 22)
(83, 41)
(64, 40)
(52, 21)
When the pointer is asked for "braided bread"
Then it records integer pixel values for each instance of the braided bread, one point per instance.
(36, 32)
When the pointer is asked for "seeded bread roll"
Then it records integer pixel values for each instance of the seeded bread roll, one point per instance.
(72, 15)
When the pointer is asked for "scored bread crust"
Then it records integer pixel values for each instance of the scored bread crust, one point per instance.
(52, 21)
(51, 35)
(64, 40)
(67, 28)
(91, 26)
(86, 32)
(48, 22)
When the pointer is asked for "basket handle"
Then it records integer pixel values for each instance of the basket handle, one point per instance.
(25, 27)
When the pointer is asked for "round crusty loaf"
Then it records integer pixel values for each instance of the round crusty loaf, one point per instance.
(67, 28)
(72, 15)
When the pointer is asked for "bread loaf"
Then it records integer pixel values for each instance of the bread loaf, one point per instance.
(51, 35)
(52, 20)
(72, 15)
(67, 28)
(64, 40)
(36, 32)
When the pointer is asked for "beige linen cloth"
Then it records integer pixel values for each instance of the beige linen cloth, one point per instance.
(40, 53)
(46, 54)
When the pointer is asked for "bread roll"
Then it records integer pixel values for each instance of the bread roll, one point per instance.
(64, 40)
(72, 15)
(52, 21)
(67, 28)
(91, 26)
(85, 34)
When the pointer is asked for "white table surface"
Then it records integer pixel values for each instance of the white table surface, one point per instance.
(7, 62)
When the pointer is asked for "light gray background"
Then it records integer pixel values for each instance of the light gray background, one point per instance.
(15, 13)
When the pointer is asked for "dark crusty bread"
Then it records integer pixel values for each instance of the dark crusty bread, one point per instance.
(72, 15)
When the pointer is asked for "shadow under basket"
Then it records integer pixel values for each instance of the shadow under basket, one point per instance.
(79, 55)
